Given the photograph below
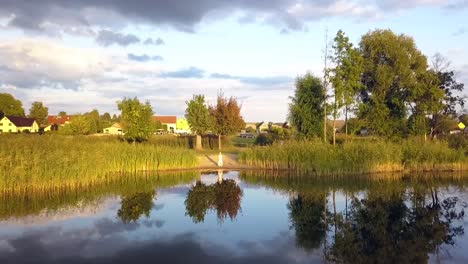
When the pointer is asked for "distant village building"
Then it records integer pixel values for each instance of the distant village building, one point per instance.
(54, 122)
(115, 129)
(15, 124)
(169, 121)
(182, 126)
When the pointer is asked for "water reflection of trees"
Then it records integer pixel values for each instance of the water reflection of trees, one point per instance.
(224, 197)
(400, 228)
(133, 206)
(308, 217)
(386, 222)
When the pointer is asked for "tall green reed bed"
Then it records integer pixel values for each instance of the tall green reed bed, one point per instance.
(47, 162)
(356, 157)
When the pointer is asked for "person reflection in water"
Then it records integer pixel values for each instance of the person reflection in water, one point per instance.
(224, 197)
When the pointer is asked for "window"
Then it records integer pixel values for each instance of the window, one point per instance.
(1, 124)
(1, 130)
(9, 130)
(10, 124)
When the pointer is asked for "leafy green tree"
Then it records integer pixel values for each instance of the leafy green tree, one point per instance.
(200, 199)
(345, 77)
(306, 109)
(105, 120)
(227, 117)
(62, 113)
(135, 205)
(136, 119)
(395, 77)
(94, 121)
(199, 118)
(39, 112)
(79, 125)
(10, 106)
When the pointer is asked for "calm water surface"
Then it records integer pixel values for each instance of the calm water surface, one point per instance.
(244, 218)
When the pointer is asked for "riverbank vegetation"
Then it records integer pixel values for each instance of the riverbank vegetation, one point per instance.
(357, 156)
(48, 162)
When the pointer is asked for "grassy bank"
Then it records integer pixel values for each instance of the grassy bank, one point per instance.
(45, 162)
(356, 157)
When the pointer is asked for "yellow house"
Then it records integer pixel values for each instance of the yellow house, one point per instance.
(15, 124)
(182, 126)
(115, 129)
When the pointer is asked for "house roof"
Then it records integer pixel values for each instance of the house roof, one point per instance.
(21, 121)
(58, 120)
(116, 125)
(166, 119)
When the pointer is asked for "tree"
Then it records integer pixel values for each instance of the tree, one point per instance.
(10, 106)
(396, 82)
(39, 112)
(464, 119)
(227, 117)
(136, 119)
(199, 118)
(450, 91)
(79, 125)
(306, 109)
(62, 113)
(345, 76)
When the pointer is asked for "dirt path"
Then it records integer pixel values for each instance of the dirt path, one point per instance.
(210, 161)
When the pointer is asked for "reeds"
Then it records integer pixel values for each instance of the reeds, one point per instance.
(48, 162)
(356, 157)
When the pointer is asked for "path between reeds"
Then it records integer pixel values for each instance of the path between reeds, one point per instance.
(210, 161)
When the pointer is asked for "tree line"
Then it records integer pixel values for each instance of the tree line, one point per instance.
(385, 83)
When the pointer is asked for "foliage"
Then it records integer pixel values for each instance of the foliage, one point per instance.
(10, 106)
(226, 116)
(396, 77)
(79, 125)
(133, 206)
(198, 115)
(464, 119)
(136, 119)
(345, 77)
(306, 108)
(53, 161)
(39, 112)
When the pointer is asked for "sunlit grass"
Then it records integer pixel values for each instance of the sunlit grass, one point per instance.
(48, 162)
(356, 157)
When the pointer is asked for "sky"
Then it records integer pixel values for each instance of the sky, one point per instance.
(75, 56)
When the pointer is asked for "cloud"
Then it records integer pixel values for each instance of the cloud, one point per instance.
(261, 81)
(106, 38)
(144, 57)
(191, 72)
(31, 63)
(156, 42)
(184, 15)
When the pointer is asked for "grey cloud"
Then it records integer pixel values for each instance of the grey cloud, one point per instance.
(144, 57)
(261, 81)
(191, 72)
(156, 42)
(107, 38)
(186, 15)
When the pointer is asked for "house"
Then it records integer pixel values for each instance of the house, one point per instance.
(182, 126)
(16, 124)
(169, 121)
(115, 129)
(55, 121)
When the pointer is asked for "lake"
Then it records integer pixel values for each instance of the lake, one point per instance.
(241, 217)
